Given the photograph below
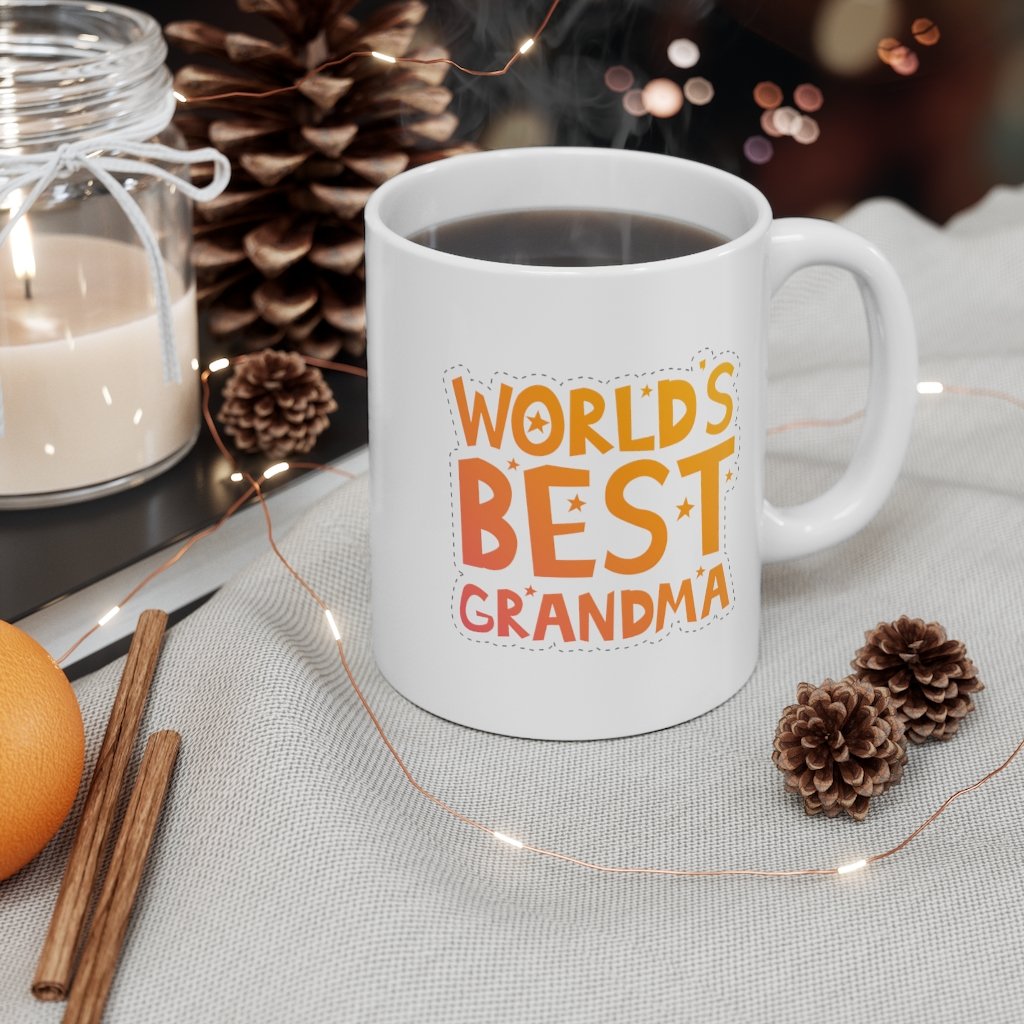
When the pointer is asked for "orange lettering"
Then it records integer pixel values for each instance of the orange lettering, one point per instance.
(645, 519)
(510, 604)
(581, 420)
(480, 516)
(589, 614)
(483, 623)
(471, 420)
(553, 612)
(716, 588)
(722, 398)
(667, 600)
(543, 530)
(669, 392)
(707, 463)
(549, 432)
(633, 624)
(624, 415)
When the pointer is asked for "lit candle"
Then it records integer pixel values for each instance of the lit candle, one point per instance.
(23, 256)
(85, 398)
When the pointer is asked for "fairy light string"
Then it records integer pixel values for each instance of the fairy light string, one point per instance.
(254, 490)
(385, 58)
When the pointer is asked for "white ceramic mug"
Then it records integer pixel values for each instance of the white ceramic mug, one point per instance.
(567, 516)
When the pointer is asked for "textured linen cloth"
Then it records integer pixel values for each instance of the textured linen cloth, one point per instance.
(298, 877)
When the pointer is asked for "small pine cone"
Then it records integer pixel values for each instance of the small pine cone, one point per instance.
(276, 404)
(840, 745)
(928, 675)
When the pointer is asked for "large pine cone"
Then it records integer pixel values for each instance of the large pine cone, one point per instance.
(274, 403)
(928, 675)
(279, 255)
(840, 745)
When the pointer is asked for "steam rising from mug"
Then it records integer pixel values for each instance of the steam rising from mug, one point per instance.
(561, 97)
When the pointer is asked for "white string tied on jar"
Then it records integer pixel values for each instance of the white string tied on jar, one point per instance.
(105, 157)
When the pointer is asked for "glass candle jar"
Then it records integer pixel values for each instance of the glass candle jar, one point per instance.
(98, 336)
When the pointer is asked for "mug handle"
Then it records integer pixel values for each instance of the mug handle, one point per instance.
(855, 498)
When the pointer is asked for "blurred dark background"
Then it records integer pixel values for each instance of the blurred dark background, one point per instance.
(923, 101)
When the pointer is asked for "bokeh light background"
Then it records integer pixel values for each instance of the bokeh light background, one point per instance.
(820, 103)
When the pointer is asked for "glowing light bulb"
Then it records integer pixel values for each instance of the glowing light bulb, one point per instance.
(104, 619)
(808, 98)
(767, 95)
(905, 63)
(179, 97)
(662, 97)
(633, 102)
(929, 387)
(618, 78)
(786, 120)
(511, 840)
(758, 150)
(846, 869)
(526, 46)
(807, 131)
(329, 615)
(926, 32)
(683, 53)
(699, 91)
(236, 478)
(219, 364)
(845, 33)
(278, 467)
(386, 57)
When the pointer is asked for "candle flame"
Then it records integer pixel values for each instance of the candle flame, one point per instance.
(23, 254)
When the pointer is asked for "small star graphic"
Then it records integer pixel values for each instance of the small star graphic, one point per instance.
(529, 591)
(645, 390)
(537, 421)
(700, 572)
(685, 509)
(703, 363)
(512, 464)
(728, 475)
(576, 504)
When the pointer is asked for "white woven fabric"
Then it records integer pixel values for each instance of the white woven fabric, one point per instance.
(297, 876)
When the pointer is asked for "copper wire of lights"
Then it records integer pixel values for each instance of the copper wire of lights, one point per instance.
(385, 58)
(255, 490)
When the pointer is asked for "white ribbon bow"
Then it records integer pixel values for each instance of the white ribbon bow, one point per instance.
(38, 171)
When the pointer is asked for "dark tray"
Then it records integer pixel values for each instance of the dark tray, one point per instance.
(46, 554)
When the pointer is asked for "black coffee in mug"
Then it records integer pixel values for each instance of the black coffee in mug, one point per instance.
(568, 238)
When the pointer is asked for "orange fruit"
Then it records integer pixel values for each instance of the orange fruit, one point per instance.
(42, 748)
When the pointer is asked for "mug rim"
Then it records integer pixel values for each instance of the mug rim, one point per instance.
(375, 220)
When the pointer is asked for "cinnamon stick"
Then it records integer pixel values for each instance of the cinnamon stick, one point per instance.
(113, 910)
(56, 961)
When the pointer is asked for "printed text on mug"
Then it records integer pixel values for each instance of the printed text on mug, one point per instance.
(592, 514)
